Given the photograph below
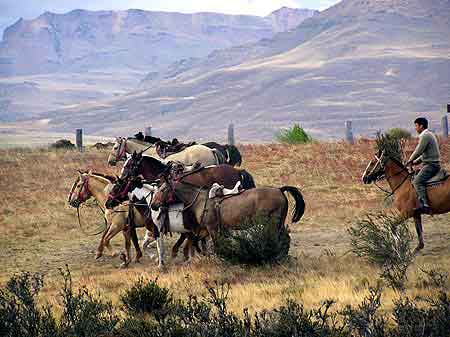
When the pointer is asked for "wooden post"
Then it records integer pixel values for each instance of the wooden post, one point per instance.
(448, 108)
(349, 132)
(445, 127)
(148, 131)
(79, 139)
(231, 134)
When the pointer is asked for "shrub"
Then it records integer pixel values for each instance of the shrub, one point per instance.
(294, 135)
(19, 313)
(259, 242)
(83, 313)
(63, 144)
(384, 240)
(147, 297)
(365, 319)
(399, 133)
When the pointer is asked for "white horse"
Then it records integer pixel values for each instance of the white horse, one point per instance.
(189, 156)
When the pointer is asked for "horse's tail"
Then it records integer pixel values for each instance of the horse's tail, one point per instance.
(234, 156)
(247, 180)
(299, 208)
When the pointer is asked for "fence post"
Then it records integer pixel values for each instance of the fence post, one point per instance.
(231, 134)
(349, 132)
(148, 131)
(448, 108)
(79, 139)
(445, 127)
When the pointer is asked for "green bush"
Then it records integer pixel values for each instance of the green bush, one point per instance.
(259, 242)
(384, 240)
(294, 135)
(147, 297)
(84, 314)
(399, 133)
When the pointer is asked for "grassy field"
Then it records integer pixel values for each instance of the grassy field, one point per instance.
(39, 231)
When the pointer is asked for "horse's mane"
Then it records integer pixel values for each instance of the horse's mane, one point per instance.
(391, 146)
(154, 161)
(111, 179)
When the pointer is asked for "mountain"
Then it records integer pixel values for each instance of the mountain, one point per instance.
(59, 60)
(82, 40)
(379, 63)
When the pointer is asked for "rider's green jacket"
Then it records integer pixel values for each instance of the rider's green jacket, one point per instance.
(427, 150)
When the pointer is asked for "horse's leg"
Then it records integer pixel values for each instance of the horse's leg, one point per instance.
(99, 251)
(125, 257)
(148, 238)
(160, 246)
(178, 244)
(419, 230)
(112, 232)
(135, 240)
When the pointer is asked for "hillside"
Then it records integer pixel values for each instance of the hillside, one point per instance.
(378, 63)
(40, 232)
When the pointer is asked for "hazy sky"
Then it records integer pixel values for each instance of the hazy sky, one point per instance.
(12, 10)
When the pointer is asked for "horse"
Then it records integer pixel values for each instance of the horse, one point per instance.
(385, 166)
(98, 186)
(151, 168)
(230, 152)
(124, 146)
(189, 156)
(230, 211)
(119, 193)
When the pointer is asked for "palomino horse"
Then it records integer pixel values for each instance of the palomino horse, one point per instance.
(405, 197)
(191, 155)
(98, 186)
(231, 211)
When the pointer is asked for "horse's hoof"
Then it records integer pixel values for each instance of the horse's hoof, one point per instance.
(419, 247)
(98, 255)
(162, 268)
(123, 265)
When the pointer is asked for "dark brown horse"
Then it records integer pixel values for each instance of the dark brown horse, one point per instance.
(230, 152)
(231, 211)
(151, 168)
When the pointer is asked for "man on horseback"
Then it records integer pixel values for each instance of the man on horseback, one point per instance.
(426, 152)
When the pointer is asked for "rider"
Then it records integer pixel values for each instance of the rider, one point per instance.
(426, 152)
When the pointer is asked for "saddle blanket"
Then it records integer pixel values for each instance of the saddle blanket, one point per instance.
(175, 219)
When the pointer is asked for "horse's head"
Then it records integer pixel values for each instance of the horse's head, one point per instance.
(165, 193)
(132, 167)
(79, 192)
(118, 152)
(119, 191)
(376, 168)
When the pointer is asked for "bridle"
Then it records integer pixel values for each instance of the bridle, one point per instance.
(380, 162)
(82, 195)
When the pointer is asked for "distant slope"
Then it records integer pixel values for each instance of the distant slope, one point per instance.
(378, 63)
(134, 39)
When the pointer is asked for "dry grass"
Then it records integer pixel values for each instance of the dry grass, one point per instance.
(39, 231)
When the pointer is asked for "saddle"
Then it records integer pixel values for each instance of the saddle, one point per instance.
(166, 149)
(179, 170)
(440, 177)
(220, 191)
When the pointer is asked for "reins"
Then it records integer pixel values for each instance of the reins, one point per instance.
(391, 193)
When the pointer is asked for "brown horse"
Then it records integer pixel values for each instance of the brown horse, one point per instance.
(405, 197)
(230, 211)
